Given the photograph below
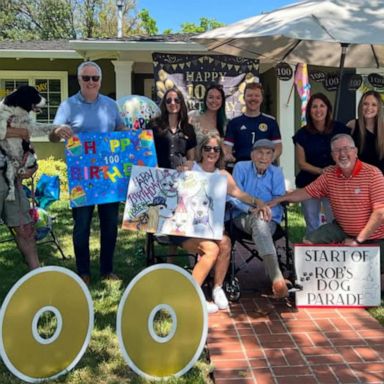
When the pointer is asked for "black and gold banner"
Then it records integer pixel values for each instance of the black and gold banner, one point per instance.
(192, 74)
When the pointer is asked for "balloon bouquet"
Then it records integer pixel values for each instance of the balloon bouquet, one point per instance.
(137, 111)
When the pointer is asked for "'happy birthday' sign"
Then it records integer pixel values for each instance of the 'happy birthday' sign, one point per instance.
(175, 203)
(99, 164)
(338, 276)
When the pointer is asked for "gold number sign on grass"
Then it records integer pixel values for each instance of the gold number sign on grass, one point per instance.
(53, 293)
(46, 322)
(169, 289)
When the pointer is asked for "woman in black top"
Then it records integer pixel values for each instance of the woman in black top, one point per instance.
(368, 129)
(313, 154)
(175, 138)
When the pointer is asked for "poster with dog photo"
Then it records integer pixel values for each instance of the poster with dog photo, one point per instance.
(176, 203)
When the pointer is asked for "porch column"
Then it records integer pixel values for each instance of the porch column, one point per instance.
(286, 120)
(123, 70)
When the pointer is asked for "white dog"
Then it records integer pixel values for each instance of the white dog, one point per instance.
(14, 113)
(201, 207)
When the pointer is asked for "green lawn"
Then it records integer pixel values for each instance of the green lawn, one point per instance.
(102, 363)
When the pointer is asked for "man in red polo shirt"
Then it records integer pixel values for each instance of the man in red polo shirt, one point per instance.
(356, 193)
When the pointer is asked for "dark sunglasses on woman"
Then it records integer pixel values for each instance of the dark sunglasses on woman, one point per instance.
(169, 100)
(208, 148)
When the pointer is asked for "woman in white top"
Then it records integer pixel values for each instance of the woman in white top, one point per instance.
(215, 253)
(212, 118)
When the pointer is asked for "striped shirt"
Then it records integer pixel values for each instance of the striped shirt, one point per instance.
(354, 198)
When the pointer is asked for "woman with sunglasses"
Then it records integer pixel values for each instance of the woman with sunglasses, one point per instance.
(89, 111)
(213, 117)
(368, 129)
(175, 139)
(215, 253)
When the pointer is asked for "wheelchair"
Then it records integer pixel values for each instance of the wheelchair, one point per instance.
(238, 237)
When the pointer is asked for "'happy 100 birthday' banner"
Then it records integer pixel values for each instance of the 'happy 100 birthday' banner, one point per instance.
(99, 164)
(192, 74)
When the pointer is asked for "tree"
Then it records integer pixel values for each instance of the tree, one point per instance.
(205, 25)
(105, 20)
(39, 19)
(67, 19)
(148, 24)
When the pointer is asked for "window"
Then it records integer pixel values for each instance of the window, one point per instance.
(53, 86)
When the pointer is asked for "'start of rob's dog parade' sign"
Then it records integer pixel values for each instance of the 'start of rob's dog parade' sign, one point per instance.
(99, 164)
(338, 276)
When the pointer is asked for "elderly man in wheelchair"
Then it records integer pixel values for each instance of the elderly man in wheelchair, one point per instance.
(259, 178)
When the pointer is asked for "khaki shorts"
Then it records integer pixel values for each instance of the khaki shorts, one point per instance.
(13, 213)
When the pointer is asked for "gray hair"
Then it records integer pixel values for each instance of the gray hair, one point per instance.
(89, 64)
(342, 136)
(204, 141)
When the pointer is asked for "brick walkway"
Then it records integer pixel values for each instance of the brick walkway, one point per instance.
(261, 340)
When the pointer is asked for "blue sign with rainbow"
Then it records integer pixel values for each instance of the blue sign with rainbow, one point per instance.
(99, 164)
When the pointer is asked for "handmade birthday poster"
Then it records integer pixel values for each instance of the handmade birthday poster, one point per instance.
(99, 164)
(337, 276)
(175, 203)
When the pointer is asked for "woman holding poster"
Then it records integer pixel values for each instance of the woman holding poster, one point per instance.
(175, 139)
(215, 253)
(89, 111)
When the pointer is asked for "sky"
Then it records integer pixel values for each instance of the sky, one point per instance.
(170, 14)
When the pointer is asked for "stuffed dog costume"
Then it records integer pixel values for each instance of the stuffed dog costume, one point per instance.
(14, 113)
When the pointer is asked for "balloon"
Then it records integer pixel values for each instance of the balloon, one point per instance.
(43, 222)
(137, 111)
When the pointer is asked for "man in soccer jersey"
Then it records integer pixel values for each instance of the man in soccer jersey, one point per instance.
(243, 131)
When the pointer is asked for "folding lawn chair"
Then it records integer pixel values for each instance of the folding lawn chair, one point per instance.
(47, 191)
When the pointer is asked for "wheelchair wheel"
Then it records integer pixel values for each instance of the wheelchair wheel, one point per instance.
(232, 289)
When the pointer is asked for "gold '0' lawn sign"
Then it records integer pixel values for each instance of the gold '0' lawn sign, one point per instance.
(46, 322)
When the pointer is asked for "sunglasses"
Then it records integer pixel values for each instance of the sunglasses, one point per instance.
(95, 79)
(208, 148)
(170, 100)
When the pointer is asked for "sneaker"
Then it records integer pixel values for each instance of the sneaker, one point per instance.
(219, 298)
(212, 307)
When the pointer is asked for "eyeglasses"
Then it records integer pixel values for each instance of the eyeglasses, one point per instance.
(342, 150)
(208, 148)
(170, 100)
(85, 78)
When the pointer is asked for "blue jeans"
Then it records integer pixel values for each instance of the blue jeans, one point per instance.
(82, 216)
(311, 210)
